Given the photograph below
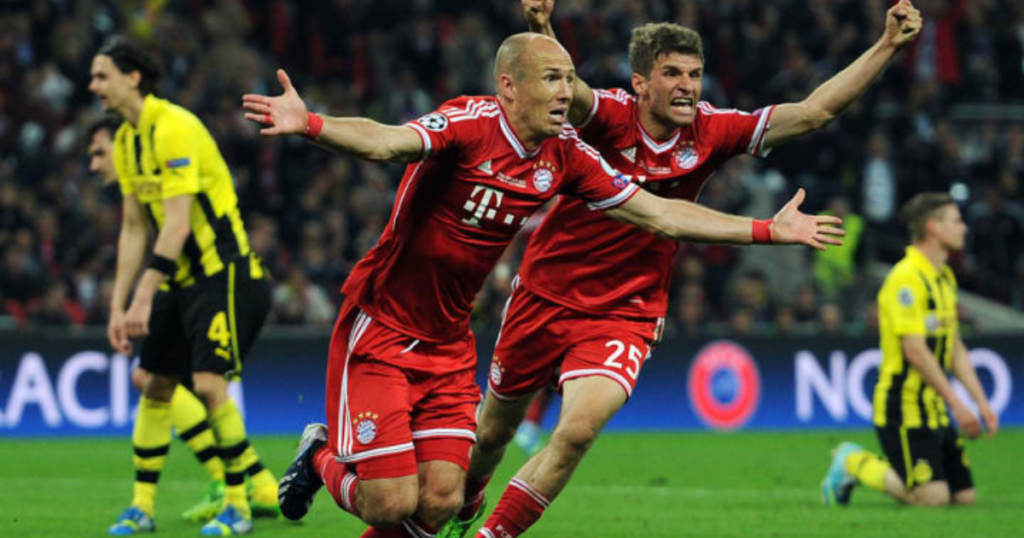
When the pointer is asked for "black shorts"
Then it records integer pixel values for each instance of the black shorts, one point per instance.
(922, 455)
(209, 326)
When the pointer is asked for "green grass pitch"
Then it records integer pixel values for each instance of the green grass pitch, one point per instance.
(632, 485)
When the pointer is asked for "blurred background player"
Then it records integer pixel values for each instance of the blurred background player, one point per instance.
(925, 461)
(401, 399)
(200, 322)
(188, 414)
(597, 318)
(100, 137)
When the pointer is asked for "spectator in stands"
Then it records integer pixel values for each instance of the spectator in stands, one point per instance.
(830, 319)
(878, 183)
(56, 309)
(785, 321)
(21, 277)
(835, 271)
(297, 301)
(692, 316)
(805, 304)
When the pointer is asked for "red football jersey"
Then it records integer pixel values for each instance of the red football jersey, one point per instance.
(594, 264)
(460, 206)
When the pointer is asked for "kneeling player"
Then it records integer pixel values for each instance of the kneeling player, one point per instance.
(924, 459)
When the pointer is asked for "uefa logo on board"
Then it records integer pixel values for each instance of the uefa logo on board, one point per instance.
(724, 385)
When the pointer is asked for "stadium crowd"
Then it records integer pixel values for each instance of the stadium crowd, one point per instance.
(313, 214)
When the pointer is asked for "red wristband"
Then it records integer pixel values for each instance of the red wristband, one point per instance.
(761, 231)
(314, 124)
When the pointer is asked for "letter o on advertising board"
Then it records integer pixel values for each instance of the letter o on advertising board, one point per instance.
(724, 385)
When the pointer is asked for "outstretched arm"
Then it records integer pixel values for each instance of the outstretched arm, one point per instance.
(791, 120)
(361, 137)
(538, 17)
(687, 221)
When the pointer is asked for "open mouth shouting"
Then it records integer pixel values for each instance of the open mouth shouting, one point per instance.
(558, 114)
(683, 105)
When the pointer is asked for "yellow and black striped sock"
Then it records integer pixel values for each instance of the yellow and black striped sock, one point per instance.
(868, 469)
(188, 415)
(151, 440)
(231, 442)
(263, 482)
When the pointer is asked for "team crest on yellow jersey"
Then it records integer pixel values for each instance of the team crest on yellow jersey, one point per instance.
(922, 472)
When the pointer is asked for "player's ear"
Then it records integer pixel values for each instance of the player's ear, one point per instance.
(639, 84)
(135, 78)
(931, 226)
(506, 87)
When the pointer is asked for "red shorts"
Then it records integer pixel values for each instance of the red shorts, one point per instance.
(537, 336)
(394, 401)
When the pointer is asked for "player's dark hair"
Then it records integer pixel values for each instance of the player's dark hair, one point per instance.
(109, 122)
(656, 38)
(921, 208)
(128, 57)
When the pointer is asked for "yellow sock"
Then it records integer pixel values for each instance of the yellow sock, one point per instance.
(151, 439)
(263, 482)
(188, 415)
(868, 468)
(144, 496)
(230, 432)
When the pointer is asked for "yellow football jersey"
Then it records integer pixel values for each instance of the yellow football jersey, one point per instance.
(916, 299)
(170, 153)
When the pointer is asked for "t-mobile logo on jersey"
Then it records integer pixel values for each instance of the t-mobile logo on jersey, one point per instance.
(484, 203)
(483, 209)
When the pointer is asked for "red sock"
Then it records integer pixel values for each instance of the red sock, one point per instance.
(519, 508)
(475, 488)
(410, 528)
(339, 479)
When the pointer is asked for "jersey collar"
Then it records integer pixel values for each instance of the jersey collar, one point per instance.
(922, 262)
(151, 105)
(513, 140)
(654, 145)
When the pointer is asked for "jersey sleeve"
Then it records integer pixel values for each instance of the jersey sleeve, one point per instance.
(734, 131)
(593, 179)
(447, 129)
(906, 299)
(176, 147)
(609, 116)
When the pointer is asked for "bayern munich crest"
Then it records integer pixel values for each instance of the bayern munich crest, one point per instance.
(495, 373)
(686, 158)
(542, 179)
(434, 122)
(724, 385)
(366, 427)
